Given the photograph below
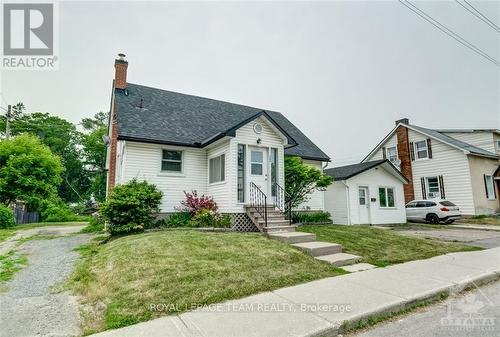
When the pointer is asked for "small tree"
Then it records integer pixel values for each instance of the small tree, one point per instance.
(29, 171)
(6, 217)
(131, 207)
(302, 179)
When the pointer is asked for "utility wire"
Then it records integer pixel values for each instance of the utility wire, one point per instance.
(489, 23)
(481, 14)
(448, 31)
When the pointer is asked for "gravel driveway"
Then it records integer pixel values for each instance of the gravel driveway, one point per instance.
(27, 307)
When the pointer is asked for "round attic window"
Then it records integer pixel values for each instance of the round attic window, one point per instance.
(257, 128)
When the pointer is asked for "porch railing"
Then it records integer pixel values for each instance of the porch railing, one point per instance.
(280, 201)
(258, 200)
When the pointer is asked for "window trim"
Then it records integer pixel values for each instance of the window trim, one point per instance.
(170, 172)
(243, 169)
(427, 188)
(416, 149)
(489, 197)
(396, 152)
(222, 172)
(387, 200)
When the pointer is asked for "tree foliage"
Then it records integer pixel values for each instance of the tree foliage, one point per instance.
(301, 180)
(29, 171)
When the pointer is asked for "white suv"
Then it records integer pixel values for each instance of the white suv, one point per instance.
(432, 211)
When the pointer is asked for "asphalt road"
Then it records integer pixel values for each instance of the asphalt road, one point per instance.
(473, 313)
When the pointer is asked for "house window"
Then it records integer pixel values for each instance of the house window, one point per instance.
(392, 154)
(241, 173)
(274, 170)
(171, 161)
(386, 197)
(362, 196)
(421, 149)
(433, 187)
(217, 169)
(257, 160)
(490, 187)
(498, 145)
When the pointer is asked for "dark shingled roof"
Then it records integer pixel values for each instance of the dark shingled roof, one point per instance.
(159, 116)
(346, 172)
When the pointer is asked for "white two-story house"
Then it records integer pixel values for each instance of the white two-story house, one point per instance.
(183, 143)
(459, 165)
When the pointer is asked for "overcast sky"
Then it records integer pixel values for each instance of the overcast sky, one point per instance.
(343, 72)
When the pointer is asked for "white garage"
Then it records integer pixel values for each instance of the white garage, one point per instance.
(366, 193)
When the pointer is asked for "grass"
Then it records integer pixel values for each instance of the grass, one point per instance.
(10, 263)
(123, 278)
(382, 247)
(482, 220)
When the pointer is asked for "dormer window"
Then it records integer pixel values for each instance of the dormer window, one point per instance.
(421, 149)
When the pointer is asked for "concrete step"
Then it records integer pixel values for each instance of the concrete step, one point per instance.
(318, 248)
(340, 259)
(269, 216)
(275, 229)
(293, 237)
(353, 268)
(274, 222)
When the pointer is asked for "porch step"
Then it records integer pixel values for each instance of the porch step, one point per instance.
(277, 229)
(318, 248)
(293, 237)
(340, 259)
(274, 222)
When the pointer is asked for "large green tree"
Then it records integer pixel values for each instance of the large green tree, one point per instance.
(29, 171)
(63, 139)
(94, 153)
(301, 180)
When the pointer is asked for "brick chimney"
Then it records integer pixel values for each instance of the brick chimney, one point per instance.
(121, 66)
(405, 121)
(404, 156)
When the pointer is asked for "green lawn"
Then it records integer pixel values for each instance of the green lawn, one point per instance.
(10, 263)
(121, 279)
(382, 247)
(482, 220)
(6, 233)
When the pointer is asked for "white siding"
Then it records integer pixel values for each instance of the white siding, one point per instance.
(221, 191)
(453, 165)
(391, 142)
(336, 202)
(479, 167)
(316, 201)
(480, 139)
(143, 161)
(375, 178)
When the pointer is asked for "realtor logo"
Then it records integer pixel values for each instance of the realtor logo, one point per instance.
(29, 36)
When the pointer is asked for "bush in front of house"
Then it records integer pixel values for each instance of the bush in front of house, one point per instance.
(55, 210)
(131, 207)
(179, 219)
(6, 217)
(311, 217)
(209, 218)
(195, 203)
(96, 225)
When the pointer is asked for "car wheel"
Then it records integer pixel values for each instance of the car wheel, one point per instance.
(433, 218)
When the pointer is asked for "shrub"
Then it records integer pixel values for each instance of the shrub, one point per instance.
(195, 203)
(311, 217)
(131, 207)
(180, 219)
(6, 217)
(57, 211)
(96, 225)
(209, 218)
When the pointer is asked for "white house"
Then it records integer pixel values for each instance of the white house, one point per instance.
(179, 142)
(366, 193)
(459, 165)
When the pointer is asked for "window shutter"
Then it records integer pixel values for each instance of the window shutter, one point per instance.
(485, 185)
(422, 182)
(441, 187)
(429, 148)
(412, 152)
(384, 153)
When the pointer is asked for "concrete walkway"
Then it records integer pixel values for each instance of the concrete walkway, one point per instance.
(320, 307)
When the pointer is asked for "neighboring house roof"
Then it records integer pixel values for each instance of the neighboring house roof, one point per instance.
(153, 115)
(349, 171)
(497, 131)
(440, 136)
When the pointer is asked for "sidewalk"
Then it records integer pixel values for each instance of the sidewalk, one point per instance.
(320, 307)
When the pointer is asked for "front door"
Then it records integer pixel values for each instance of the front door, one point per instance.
(258, 168)
(364, 205)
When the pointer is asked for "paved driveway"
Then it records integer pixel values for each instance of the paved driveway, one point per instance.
(472, 237)
(29, 307)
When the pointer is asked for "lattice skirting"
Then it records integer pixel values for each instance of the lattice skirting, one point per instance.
(242, 223)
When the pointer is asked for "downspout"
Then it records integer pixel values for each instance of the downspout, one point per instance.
(348, 202)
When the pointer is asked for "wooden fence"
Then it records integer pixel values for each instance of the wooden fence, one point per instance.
(23, 217)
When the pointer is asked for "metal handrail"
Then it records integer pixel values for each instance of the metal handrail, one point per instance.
(258, 200)
(280, 201)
